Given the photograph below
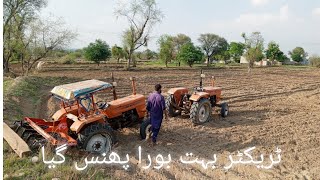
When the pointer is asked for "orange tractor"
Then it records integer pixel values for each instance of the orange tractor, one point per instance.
(81, 121)
(198, 104)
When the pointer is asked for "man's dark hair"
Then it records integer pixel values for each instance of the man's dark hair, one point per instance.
(157, 87)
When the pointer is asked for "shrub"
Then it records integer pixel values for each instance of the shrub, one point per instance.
(315, 61)
(68, 59)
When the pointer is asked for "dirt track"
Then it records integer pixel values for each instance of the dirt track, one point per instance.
(272, 107)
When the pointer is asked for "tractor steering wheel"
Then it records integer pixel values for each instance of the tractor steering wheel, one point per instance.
(101, 104)
(199, 89)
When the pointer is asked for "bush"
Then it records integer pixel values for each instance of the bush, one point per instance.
(76, 54)
(315, 61)
(68, 59)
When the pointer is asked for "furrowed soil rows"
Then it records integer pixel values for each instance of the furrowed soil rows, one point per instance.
(271, 107)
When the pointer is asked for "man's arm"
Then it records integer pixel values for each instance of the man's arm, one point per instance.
(148, 104)
(163, 103)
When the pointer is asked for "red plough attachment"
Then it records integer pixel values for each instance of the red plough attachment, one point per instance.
(59, 129)
(37, 132)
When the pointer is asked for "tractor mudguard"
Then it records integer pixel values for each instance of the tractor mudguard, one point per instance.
(63, 111)
(214, 91)
(80, 123)
(198, 95)
(178, 93)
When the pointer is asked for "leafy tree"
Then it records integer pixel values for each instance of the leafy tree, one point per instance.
(236, 50)
(148, 54)
(298, 54)
(212, 44)
(17, 14)
(117, 52)
(274, 53)
(254, 55)
(178, 41)
(97, 51)
(190, 54)
(142, 15)
(254, 48)
(223, 56)
(166, 43)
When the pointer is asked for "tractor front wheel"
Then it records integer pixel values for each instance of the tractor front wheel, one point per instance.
(224, 109)
(145, 129)
(201, 111)
(97, 138)
(173, 112)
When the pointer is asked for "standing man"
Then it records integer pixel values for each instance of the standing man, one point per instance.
(156, 108)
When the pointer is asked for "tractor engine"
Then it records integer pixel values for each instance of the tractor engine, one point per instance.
(186, 103)
(127, 119)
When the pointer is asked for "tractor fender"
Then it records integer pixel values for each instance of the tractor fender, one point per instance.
(78, 124)
(198, 95)
(177, 93)
(62, 112)
(179, 90)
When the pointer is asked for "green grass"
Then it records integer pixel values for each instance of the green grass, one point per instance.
(7, 82)
(296, 66)
(159, 63)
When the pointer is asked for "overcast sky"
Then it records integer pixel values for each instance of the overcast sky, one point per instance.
(290, 23)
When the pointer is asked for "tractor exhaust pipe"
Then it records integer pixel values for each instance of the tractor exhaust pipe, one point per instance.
(133, 85)
(212, 81)
(114, 84)
(201, 76)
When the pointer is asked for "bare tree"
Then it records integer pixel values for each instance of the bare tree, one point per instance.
(41, 37)
(16, 15)
(254, 48)
(142, 15)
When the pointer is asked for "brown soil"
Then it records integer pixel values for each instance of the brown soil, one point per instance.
(271, 107)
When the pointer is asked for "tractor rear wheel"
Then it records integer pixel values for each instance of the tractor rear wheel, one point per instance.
(173, 112)
(201, 111)
(97, 138)
(145, 129)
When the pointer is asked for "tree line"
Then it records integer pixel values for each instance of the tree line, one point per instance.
(28, 38)
(180, 48)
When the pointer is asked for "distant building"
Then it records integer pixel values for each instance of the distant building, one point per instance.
(264, 62)
(243, 60)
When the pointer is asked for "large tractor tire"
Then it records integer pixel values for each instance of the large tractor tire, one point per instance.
(201, 111)
(224, 109)
(172, 111)
(145, 129)
(97, 138)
